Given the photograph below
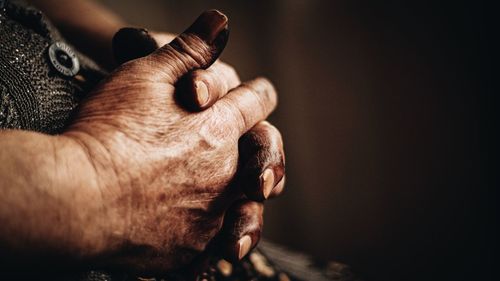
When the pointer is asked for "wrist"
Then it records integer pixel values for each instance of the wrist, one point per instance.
(52, 204)
(95, 227)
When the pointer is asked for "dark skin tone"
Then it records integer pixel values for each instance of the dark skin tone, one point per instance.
(260, 148)
(212, 138)
(123, 133)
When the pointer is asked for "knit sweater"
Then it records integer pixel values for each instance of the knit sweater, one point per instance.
(34, 94)
(40, 87)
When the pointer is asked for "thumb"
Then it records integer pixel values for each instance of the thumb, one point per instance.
(197, 47)
(132, 43)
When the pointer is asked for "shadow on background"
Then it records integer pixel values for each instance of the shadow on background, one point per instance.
(379, 109)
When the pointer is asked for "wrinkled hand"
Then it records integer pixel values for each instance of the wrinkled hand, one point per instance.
(198, 90)
(166, 176)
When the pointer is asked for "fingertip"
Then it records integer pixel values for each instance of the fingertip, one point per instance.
(242, 229)
(198, 47)
(267, 182)
(193, 93)
(243, 246)
(130, 43)
(212, 27)
(264, 86)
(207, 86)
(262, 159)
(209, 26)
(278, 189)
(249, 103)
(201, 94)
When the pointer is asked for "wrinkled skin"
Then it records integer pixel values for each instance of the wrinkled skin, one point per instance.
(169, 172)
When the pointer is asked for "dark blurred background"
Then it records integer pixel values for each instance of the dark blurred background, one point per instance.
(380, 112)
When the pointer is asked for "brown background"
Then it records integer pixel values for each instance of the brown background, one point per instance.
(379, 109)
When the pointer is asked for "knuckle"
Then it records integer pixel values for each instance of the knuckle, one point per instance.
(230, 76)
(132, 66)
(222, 64)
(229, 69)
(269, 129)
(264, 90)
(276, 135)
(265, 84)
(252, 208)
(251, 104)
(272, 151)
(185, 52)
(267, 134)
(211, 79)
(191, 47)
(227, 118)
(238, 115)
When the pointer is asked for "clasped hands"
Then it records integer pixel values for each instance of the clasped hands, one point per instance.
(179, 157)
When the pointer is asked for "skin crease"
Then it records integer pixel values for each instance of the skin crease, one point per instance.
(98, 25)
(168, 166)
(261, 148)
(107, 237)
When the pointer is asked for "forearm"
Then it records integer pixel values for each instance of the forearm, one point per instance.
(86, 24)
(46, 197)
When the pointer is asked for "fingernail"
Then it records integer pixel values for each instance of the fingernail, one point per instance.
(221, 41)
(225, 267)
(131, 43)
(267, 182)
(244, 245)
(208, 25)
(202, 94)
